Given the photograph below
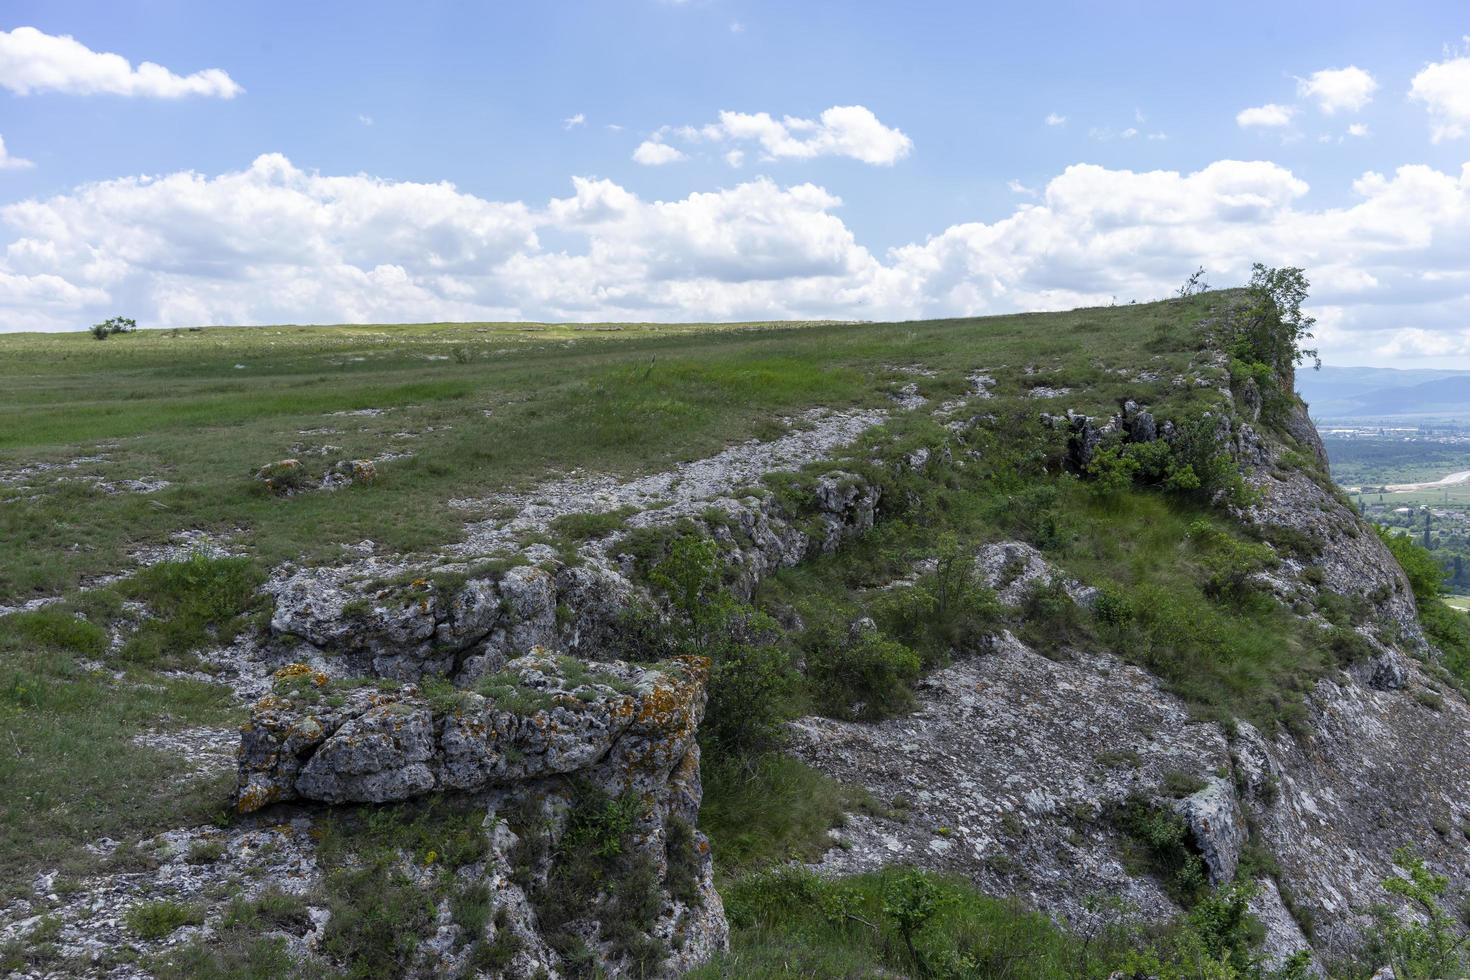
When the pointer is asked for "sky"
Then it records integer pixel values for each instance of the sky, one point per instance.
(185, 163)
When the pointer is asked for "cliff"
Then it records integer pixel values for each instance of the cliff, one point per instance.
(1076, 619)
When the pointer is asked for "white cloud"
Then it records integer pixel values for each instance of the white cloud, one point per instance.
(1055, 119)
(736, 27)
(274, 243)
(1270, 115)
(1338, 89)
(31, 61)
(1444, 88)
(652, 153)
(573, 121)
(365, 119)
(845, 131)
(1359, 130)
(735, 158)
(8, 162)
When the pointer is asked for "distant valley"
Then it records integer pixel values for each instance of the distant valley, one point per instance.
(1336, 393)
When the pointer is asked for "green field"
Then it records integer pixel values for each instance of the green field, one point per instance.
(1363, 461)
(479, 406)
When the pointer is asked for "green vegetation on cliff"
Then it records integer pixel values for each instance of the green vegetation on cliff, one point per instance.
(1145, 527)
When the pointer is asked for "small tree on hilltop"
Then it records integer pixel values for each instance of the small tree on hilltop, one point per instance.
(1272, 329)
(1194, 285)
(118, 324)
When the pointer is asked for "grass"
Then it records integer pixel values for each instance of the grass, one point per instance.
(70, 769)
(530, 400)
(193, 602)
(778, 809)
(154, 920)
(900, 922)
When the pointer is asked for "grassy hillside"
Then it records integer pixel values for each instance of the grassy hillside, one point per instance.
(466, 408)
(454, 413)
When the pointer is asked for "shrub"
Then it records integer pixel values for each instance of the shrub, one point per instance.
(118, 324)
(56, 629)
(1163, 845)
(945, 610)
(863, 678)
(1431, 943)
(1426, 575)
(749, 688)
(684, 862)
(598, 872)
(751, 679)
(379, 916)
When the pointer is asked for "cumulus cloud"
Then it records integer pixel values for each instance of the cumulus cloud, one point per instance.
(1358, 129)
(1338, 89)
(1055, 119)
(843, 131)
(10, 162)
(274, 243)
(1444, 89)
(32, 61)
(653, 153)
(573, 121)
(1271, 116)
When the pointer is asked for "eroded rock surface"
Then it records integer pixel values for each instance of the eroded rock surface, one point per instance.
(1007, 772)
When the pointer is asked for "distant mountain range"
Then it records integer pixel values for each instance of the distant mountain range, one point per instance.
(1383, 393)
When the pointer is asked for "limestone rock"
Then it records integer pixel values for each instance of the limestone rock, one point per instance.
(282, 476)
(1218, 827)
(541, 716)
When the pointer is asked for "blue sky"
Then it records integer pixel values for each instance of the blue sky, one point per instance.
(950, 192)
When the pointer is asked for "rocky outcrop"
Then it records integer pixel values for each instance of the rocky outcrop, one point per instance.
(539, 717)
(1008, 774)
(388, 619)
(1008, 769)
(536, 737)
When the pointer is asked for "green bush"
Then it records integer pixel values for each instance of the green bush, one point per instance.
(790, 922)
(946, 610)
(1428, 944)
(863, 678)
(772, 808)
(749, 690)
(379, 918)
(115, 325)
(751, 679)
(598, 872)
(1164, 846)
(1426, 575)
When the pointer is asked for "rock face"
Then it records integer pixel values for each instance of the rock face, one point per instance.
(538, 734)
(392, 620)
(377, 746)
(1007, 771)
